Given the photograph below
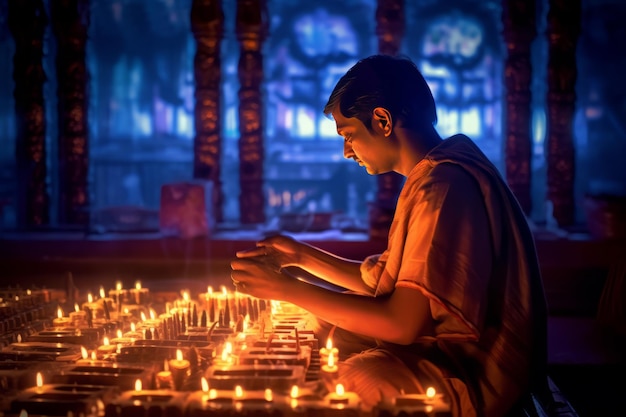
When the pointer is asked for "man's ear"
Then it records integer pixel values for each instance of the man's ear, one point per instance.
(381, 120)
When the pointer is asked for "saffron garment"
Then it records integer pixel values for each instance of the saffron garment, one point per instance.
(461, 239)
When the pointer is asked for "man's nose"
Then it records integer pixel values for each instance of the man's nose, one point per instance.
(347, 150)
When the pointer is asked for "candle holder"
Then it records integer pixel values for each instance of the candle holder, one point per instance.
(255, 377)
(60, 400)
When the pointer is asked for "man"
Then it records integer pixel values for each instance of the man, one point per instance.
(456, 300)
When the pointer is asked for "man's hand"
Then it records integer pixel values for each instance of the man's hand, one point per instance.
(259, 277)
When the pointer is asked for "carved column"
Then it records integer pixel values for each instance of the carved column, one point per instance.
(563, 29)
(519, 30)
(70, 20)
(207, 24)
(27, 23)
(390, 32)
(251, 28)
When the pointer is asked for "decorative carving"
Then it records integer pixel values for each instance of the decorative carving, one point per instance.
(390, 27)
(519, 30)
(27, 23)
(563, 29)
(207, 25)
(70, 21)
(251, 28)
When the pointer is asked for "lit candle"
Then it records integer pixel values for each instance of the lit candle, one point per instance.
(164, 378)
(97, 311)
(330, 367)
(106, 348)
(139, 294)
(61, 321)
(342, 399)
(39, 382)
(180, 369)
(325, 351)
(77, 316)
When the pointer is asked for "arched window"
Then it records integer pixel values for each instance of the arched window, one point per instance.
(457, 45)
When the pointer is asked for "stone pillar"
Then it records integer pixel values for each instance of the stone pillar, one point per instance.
(563, 29)
(251, 28)
(519, 30)
(390, 25)
(70, 21)
(27, 23)
(207, 25)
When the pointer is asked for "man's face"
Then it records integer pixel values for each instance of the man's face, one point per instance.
(368, 148)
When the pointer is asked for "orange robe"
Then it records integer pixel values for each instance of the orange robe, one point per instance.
(460, 238)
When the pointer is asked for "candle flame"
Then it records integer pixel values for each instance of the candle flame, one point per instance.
(105, 341)
(186, 296)
(212, 393)
(83, 352)
(268, 394)
(93, 355)
(340, 390)
(133, 328)
(209, 290)
(295, 391)
(205, 384)
(119, 333)
(138, 385)
(118, 286)
(138, 285)
(76, 307)
(329, 343)
(152, 314)
(224, 291)
(101, 292)
(238, 391)
(143, 316)
(59, 312)
(39, 380)
(179, 355)
(431, 392)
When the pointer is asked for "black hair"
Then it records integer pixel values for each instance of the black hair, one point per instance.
(392, 82)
